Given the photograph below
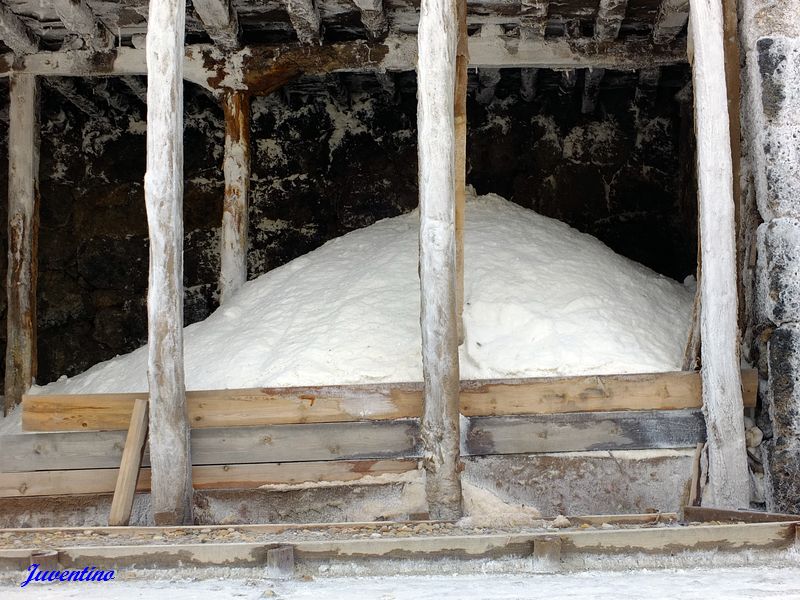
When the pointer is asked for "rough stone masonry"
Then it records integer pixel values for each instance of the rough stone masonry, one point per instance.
(770, 211)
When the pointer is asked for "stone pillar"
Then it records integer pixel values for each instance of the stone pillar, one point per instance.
(770, 239)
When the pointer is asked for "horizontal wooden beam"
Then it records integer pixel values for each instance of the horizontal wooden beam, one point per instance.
(704, 514)
(281, 406)
(585, 432)
(217, 477)
(263, 69)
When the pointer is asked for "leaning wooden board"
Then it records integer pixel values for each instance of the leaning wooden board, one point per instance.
(281, 406)
(573, 432)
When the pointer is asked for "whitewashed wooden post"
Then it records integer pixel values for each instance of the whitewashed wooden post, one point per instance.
(233, 251)
(23, 234)
(436, 82)
(462, 62)
(171, 494)
(728, 481)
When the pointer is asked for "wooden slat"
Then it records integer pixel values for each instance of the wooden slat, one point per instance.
(102, 481)
(218, 446)
(278, 406)
(125, 487)
(703, 515)
(584, 432)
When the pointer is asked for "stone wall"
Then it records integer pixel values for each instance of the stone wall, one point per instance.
(330, 155)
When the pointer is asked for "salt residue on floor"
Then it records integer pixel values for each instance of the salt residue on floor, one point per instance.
(541, 300)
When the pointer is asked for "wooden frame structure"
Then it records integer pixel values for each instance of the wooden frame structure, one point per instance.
(440, 53)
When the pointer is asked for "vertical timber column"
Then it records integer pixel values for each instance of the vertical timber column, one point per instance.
(462, 62)
(436, 82)
(23, 235)
(728, 483)
(171, 486)
(770, 43)
(233, 251)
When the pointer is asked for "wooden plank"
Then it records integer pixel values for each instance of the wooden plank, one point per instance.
(23, 236)
(279, 406)
(77, 17)
(436, 83)
(220, 21)
(304, 15)
(670, 20)
(15, 34)
(128, 473)
(584, 432)
(373, 17)
(704, 514)
(610, 15)
(216, 477)
(218, 446)
(460, 112)
(171, 497)
(728, 483)
(236, 168)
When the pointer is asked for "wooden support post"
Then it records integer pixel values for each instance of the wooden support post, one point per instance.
(462, 62)
(728, 481)
(124, 491)
(436, 77)
(547, 554)
(171, 497)
(233, 253)
(23, 235)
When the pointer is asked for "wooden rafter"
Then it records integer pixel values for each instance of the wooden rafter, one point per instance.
(304, 15)
(220, 21)
(591, 89)
(15, 34)
(533, 18)
(373, 17)
(610, 15)
(670, 20)
(79, 19)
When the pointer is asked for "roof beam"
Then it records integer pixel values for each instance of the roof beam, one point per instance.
(304, 15)
(15, 34)
(533, 18)
(79, 19)
(373, 17)
(220, 21)
(610, 15)
(670, 20)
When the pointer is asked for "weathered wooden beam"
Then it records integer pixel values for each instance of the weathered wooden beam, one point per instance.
(281, 406)
(23, 236)
(728, 483)
(436, 77)
(528, 83)
(169, 430)
(460, 112)
(701, 514)
(138, 87)
(15, 34)
(533, 19)
(261, 70)
(236, 167)
(304, 15)
(220, 21)
(670, 20)
(214, 477)
(66, 87)
(647, 88)
(591, 90)
(128, 473)
(610, 15)
(79, 19)
(373, 17)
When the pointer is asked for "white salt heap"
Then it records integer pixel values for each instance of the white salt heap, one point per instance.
(541, 300)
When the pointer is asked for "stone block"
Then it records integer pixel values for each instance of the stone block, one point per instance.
(777, 297)
(783, 394)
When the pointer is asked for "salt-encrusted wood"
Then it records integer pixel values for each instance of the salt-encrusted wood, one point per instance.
(462, 62)
(137, 86)
(610, 15)
(728, 480)
(236, 166)
(591, 89)
(373, 17)
(23, 234)
(69, 91)
(15, 34)
(533, 18)
(171, 495)
(79, 19)
(436, 77)
(220, 21)
(528, 83)
(670, 20)
(304, 15)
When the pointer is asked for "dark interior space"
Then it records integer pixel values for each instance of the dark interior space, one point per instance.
(335, 153)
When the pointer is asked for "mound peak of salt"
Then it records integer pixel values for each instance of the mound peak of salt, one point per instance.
(541, 300)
